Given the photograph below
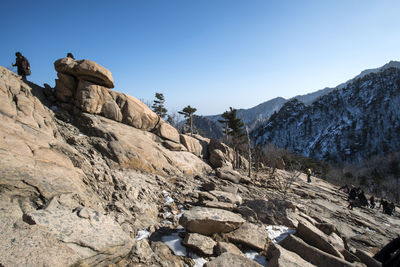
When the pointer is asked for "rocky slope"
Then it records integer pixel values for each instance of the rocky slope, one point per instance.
(347, 125)
(91, 177)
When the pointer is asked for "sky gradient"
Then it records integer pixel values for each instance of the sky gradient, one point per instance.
(210, 54)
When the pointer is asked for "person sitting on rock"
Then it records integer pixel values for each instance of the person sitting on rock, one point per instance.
(70, 55)
(372, 202)
(23, 66)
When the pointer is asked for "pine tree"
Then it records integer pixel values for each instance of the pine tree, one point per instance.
(234, 129)
(158, 106)
(224, 122)
(188, 112)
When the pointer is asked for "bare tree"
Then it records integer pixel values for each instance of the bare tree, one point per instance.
(249, 150)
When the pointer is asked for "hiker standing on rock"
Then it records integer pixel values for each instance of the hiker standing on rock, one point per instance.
(308, 175)
(24, 69)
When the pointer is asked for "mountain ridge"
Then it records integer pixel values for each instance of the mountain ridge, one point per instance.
(349, 124)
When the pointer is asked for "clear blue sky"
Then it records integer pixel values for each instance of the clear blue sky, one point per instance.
(211, 54)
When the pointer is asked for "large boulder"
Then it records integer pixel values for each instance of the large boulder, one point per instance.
(85, 70)
(168, 132)
(223, 247)
(229, 174)
(218, 159)
(209, 221)
(280, 257)
(315, 237)
(200, 243)
(90, 97)
(312, 254)
(221, 155)
(228, 259)
(250, 235)
(193, 145)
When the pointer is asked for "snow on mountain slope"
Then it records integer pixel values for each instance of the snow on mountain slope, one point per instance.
(345, 125)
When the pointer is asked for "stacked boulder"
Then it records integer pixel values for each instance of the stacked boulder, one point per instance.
(86, 86)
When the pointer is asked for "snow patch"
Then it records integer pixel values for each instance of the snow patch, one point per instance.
(142, 234)
(173, 241)
(198, 261)
(278, 232)
(253, 255)
(167, 198)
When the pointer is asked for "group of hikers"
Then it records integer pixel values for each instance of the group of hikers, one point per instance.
(357, 198)
(23, 66)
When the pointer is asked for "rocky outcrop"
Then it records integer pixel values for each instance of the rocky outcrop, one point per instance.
(85, 85)
(86, 70)
(82, 189)
(209, 221)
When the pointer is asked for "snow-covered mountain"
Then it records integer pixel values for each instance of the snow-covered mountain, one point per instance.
(347, 125)
(258, 115)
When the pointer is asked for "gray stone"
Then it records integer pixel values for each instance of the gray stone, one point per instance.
(229, 174)
(312, 254)
(280, 257)
(228, 259)
(313, 236)
(210, 221)
(203, 244)
(223, 247)
(367, 259)
(250, 235)
(219, 205)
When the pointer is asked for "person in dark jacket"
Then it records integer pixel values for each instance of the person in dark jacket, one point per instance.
(372, 202)
(70, 55)
(24, 68)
